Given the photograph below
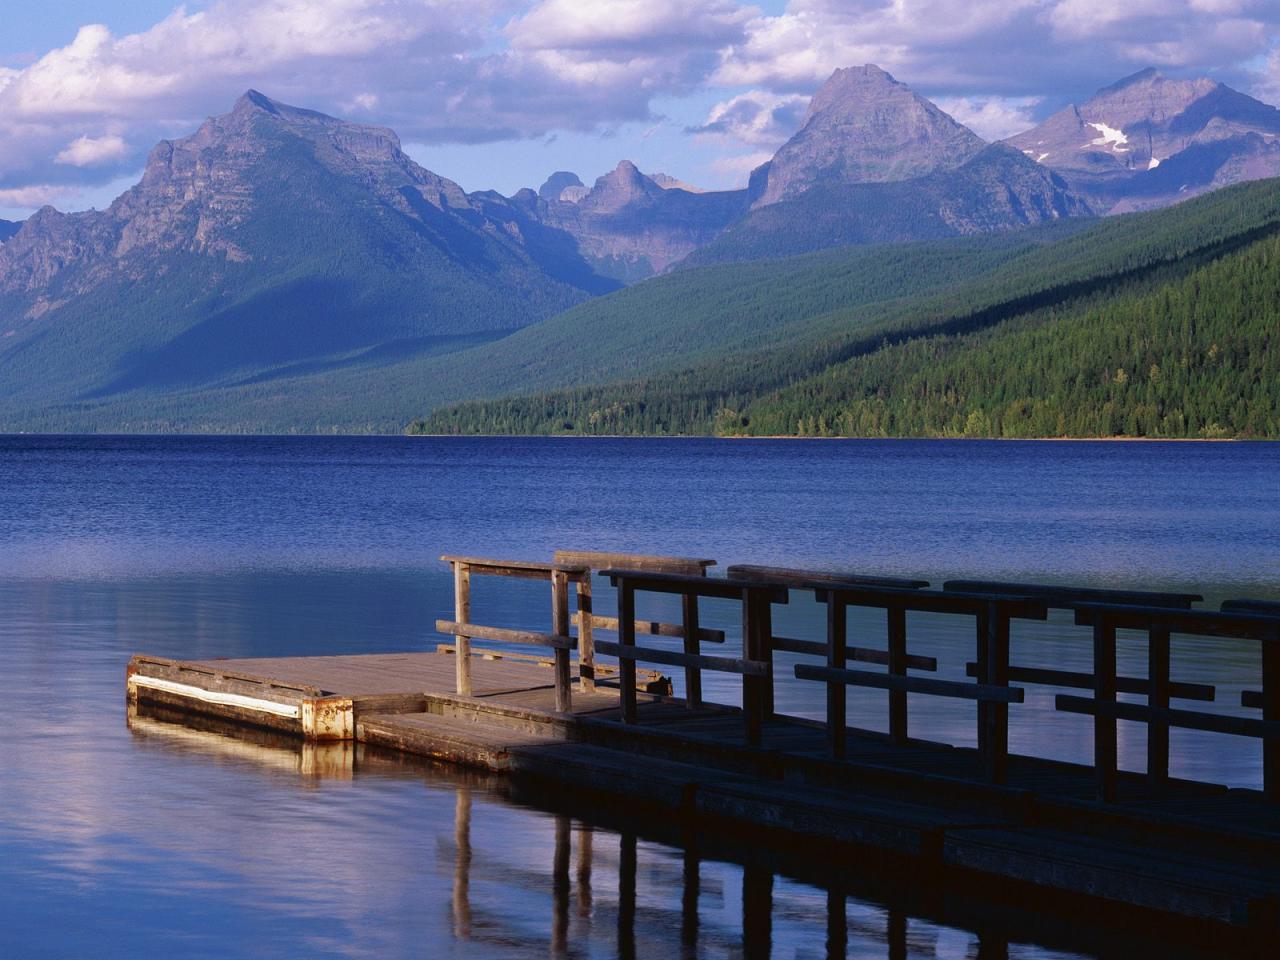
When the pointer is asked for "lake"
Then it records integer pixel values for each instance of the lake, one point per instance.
(137, 836)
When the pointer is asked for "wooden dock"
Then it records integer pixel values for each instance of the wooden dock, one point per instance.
(1135, 845)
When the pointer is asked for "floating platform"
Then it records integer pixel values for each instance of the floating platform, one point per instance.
(1203, 854)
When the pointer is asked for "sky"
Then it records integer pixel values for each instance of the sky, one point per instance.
(497, 94)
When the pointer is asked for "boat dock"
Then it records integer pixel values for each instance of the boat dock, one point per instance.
(1138, 846)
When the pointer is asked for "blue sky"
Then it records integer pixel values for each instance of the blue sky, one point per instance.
(496, 94)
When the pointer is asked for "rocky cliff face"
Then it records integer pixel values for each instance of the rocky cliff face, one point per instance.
(863, 126)
(998, 189)
(1148, 140)
(7, 229)
(628, 226)
(220, 194)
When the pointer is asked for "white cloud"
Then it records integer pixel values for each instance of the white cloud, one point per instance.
(474, 71)
(36, 195)
(615, 25)
(992, 118)
(758, 118)
(93, 151)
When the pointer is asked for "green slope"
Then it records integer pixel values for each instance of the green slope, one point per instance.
(781, 389)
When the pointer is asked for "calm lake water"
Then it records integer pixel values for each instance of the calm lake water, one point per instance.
(142, 837)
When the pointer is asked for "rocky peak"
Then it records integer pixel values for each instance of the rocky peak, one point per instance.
(863, 126)
(625, 186)
(557, 183)
(1133, 126)
(668, 182)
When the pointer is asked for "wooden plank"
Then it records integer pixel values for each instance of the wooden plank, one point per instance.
(815, 648)
(700, 586)
(1268, 607)
(1200, 623)
(631, 653)
(1062, 597)
(795, 577)
(1084, 681)
(503, 635)
(937, 601)
(928, 685)
(656, 629)
(219, 673)
(1187, 719)
(603, 560)
(520, 569)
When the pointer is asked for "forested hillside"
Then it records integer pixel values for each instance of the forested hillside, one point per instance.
(1159, 324)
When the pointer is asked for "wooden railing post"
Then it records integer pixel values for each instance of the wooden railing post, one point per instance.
(897, 636)
(994, 714)
(1271, 712)
(1158, 697)
(757, 630)
(1104, 693)
(837, 700)
(586, 640)
(627, 638)
(560, 627)
(462, 614)
(692, 674)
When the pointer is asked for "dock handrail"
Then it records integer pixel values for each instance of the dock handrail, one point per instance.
(755, 670)
(1158, 623)
(1064, 598)
(589, 621)
(559, 640)
(992, 613)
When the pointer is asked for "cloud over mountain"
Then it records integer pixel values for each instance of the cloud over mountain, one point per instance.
(476, 71)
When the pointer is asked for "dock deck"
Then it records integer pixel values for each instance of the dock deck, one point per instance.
(925, 801)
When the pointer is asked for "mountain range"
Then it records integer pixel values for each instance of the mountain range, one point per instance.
(284, 270)
(1148, 141)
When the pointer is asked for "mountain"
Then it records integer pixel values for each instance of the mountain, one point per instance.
(7, 229)
(1029, 332)
(628, 226)
(863, 126)
(556, 184)
(1148, 141)
(272, 240)
(874, 162)
(997, 189)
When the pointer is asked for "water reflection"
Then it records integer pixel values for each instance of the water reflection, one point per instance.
(529, 873)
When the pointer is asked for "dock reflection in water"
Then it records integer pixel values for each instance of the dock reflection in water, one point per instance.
(563, 881)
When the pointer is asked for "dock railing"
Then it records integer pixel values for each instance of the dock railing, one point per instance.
(559, 639)
(993, 605)
(1158, 623)
(589, 621)
(567, 567)
(754, 667)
